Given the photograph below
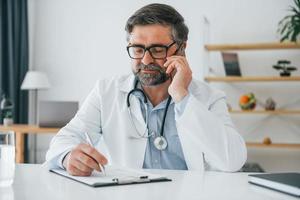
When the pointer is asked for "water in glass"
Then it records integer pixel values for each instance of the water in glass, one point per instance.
(7, 158)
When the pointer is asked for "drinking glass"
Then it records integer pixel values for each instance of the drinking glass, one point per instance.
(7, 158)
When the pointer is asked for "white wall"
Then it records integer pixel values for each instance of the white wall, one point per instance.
(77, 42)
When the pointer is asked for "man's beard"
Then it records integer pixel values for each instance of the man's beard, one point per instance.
(151, 79)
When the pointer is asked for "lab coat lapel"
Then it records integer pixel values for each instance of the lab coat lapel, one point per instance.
(137, 115)
(126, 86)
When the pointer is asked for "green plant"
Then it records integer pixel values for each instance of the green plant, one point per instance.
(284, 68)
(8, 114)
(289, 26)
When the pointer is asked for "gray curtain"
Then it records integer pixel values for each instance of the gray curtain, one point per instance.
(14, 55)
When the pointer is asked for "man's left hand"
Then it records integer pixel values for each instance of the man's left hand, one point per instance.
(178, 68)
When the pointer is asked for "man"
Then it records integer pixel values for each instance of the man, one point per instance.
(157, 118)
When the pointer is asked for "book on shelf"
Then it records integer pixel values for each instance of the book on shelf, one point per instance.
(231, 64)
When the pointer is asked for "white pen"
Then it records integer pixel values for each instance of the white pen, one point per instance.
(88, 139)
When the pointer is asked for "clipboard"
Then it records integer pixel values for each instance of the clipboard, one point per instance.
(114, 177)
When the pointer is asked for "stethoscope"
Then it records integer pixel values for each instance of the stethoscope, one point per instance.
(160, 141)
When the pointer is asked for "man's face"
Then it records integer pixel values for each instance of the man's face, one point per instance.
(148, 70)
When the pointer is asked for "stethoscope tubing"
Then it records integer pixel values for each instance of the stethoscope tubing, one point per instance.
(145, 101)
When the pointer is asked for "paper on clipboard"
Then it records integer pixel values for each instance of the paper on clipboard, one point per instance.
(114, 176)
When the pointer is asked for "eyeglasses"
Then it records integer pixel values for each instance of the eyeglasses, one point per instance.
(156, 51)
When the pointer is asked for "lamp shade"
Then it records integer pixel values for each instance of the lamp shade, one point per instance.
(35, 80)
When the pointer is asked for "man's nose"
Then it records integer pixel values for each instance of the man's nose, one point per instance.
(147, 59)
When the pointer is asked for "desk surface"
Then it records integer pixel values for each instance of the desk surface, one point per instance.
(35, 182)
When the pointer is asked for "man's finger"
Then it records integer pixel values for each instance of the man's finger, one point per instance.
(74, 171)
(93, 153)
(87, 161)
(83, 166)
(183, 60)
(170, 69)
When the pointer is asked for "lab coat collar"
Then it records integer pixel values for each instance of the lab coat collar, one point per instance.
(127, 83)
(193, 88)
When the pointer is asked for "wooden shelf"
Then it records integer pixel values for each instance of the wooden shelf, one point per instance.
(258, 46)
(273, 145)
(252, 46)
(269, 112)
(26, 128)
(251, 78)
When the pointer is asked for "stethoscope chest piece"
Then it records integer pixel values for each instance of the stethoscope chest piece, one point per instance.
(160, 143)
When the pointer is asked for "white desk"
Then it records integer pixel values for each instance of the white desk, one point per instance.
(34, 182)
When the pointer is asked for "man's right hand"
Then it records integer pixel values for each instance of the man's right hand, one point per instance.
(83, 159)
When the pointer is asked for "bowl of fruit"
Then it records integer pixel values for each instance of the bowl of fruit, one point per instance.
(247, 101)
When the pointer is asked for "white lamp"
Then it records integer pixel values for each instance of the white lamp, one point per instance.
(34, 81)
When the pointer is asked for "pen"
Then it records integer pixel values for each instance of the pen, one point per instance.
(88, 139)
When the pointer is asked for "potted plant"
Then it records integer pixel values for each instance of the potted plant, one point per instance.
(289, 26)
(8, 118)
(284, 68)
(6, 107)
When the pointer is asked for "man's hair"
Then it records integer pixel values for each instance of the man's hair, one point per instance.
(159, 14)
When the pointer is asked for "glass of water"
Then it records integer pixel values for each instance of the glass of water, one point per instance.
(7, 158)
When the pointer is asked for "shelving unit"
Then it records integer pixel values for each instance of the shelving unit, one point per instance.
(235, 79)
(251, 79)
(268, 112)
(254, 46)
(273, 145)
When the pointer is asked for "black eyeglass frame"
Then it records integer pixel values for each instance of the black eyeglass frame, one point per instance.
(167, 47)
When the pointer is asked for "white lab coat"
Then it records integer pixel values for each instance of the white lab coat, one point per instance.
(206, 132)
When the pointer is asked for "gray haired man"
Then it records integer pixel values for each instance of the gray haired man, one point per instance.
(187, 123)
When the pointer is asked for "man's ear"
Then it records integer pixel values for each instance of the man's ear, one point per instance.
(181, 51)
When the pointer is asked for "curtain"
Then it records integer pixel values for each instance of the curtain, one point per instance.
(14, 55)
